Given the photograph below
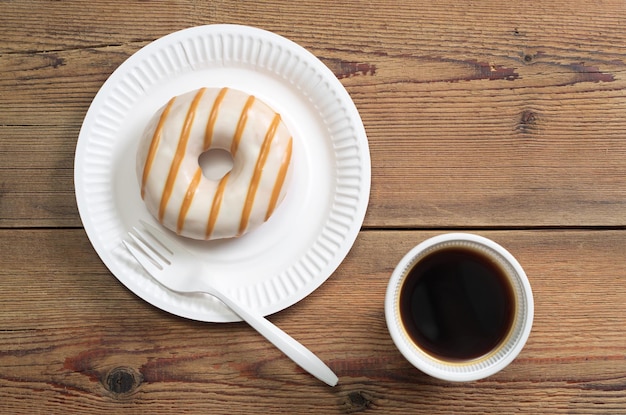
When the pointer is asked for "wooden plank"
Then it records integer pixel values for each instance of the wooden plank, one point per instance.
(39, 25)
(558, 164)
(416, 182)
(480, 117)
(71, 335)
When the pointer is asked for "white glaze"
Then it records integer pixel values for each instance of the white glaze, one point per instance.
(260, 117)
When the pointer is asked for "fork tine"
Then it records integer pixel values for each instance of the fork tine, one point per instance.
(153, 242)
(148, 250)
(142, 258)
(161, 238)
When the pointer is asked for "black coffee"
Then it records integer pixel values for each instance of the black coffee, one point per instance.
(457, 304)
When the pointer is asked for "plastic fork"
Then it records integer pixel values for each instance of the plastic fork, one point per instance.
(177, 269)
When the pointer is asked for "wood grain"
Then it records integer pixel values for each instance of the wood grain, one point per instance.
(505, 119)
(76, 326)
(498, 117)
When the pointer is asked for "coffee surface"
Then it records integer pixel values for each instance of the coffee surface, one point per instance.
(457, 304)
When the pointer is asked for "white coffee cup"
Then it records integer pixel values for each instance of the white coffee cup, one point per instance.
(506, 305)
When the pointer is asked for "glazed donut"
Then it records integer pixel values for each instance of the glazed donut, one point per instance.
(173, 186)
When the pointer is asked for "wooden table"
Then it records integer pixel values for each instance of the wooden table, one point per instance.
(507, 119)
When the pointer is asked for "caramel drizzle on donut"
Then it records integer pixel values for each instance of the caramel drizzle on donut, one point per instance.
(258, 172)
(215, 206)
(280, 180)
(208, 135)
(180, 153)
(154, 144)
(191, 192)
(241, 125)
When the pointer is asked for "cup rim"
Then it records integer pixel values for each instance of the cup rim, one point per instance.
(473, 369)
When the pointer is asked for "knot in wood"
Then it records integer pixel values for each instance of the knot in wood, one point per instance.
(358, 401)
(122, 380)
(528, 118)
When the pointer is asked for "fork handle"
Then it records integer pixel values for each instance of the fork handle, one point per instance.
(302, 356)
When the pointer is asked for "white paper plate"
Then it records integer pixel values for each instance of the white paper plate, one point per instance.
(309, 234)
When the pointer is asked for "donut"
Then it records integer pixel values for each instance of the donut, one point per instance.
(173, 186)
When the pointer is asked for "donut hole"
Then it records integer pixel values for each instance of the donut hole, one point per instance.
(215, 163)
